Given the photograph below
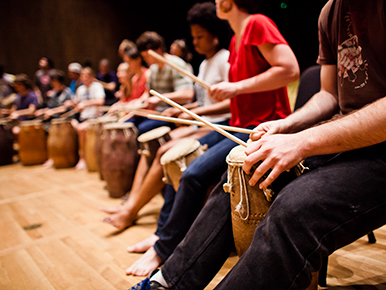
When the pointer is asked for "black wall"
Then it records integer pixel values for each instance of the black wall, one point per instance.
(88, 30)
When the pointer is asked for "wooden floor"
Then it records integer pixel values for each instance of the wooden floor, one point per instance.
(52, 237)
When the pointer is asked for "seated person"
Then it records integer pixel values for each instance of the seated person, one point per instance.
(56, 97)
(163, 79)
(108, 78)
(260, 69)
(89, 96)
(209, 38)
(329, 206)
(74, 70)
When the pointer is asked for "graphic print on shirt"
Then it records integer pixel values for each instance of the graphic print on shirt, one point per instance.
(351, 65)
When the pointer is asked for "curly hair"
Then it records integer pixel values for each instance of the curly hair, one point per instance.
(150, 40)
(204, 14)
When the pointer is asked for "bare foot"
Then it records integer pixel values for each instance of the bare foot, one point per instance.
(81, 165)
(143, 245)
(110, 209)
(144, 265)
(48, 164)
(121, 219)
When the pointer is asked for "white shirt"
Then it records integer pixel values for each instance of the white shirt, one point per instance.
(93, 92)
(213, 71)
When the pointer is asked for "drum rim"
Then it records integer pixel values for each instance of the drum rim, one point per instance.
(167, 158)
(30, 123)
(117, 125)
(234, 156)
(154, 134)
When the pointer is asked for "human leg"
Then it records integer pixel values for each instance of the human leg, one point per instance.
(81, 129)
(317, 213)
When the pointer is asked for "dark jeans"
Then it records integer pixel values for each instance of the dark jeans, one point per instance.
(319, 212)
(202, 173)
(144, 124)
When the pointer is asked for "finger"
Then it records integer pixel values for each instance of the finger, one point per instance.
(259, 172)
(271, 178)
(252, 147)
(251, 160)
(256, 136)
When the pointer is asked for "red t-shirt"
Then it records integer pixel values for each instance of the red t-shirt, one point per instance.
(255, 108)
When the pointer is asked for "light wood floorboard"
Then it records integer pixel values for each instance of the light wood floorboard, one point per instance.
(70, 248)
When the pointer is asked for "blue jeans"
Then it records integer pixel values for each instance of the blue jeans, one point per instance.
(202, 173)
(319, 212)
(144, 124)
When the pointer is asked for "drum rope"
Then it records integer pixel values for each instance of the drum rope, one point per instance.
(243, 192)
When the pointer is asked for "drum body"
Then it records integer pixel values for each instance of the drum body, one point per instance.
(63, 146)
(89, 146)
(250, 204)
(119, 157)
(6, 143)
(99, 139)
(177, 158)
(149, 142)
(32, 143)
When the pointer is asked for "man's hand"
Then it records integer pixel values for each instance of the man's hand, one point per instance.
(279, 152)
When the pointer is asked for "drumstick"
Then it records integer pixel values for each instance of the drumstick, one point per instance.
(137, 112)
(190, 122)
(68, 114)
(197, 117)
(179, 69)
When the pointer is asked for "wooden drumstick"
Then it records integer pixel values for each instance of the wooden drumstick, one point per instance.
(179, 69)
(198, 118)
(137, 112)
(190, 122)
(68, 114)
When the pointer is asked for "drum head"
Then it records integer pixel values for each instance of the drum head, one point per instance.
(107, 119)
(181, 149)
(31, 123)
(236, 156)
(60, 121)
(114, 126)
(154, 134)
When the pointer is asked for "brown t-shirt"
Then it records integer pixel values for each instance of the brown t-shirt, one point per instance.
(352, 35)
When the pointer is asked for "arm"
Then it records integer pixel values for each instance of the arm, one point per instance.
(25, 112)
(89, 103)
(214, 109)
(280, 152)
(284, 69)
(181, 97)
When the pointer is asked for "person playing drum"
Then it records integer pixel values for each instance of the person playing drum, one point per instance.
(338, 201)
(261, 65)
(210, 37)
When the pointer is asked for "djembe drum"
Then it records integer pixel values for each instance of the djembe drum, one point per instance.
(99, 139)
(119, 157)
(250, 204)
(6, 143)
(177, 158)
(63, 144)
(89, 146)
(32, 143)
(149, 142)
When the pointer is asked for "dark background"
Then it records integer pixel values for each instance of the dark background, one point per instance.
(88, 30)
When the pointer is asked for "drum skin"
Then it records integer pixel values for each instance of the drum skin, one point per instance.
(62, 143)
(89, 147)
(6, 144)
(177, 158)
(150, 141)
(119, 158)
(32, 143)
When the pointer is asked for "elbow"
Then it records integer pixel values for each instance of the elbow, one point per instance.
(293, 73)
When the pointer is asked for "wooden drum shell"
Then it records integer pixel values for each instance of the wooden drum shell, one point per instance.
(6, 143)
(119, 157)
(62, 143)
(32, 143)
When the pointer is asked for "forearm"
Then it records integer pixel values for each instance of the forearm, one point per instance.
(181, 96)
(361, 128)
(214, 109)
(272, 79)
(322, 106)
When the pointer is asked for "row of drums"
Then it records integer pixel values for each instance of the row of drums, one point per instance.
(111, 148)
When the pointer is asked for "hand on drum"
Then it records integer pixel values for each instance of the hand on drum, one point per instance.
(223, 91)
(268, 128)
(279, 152)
